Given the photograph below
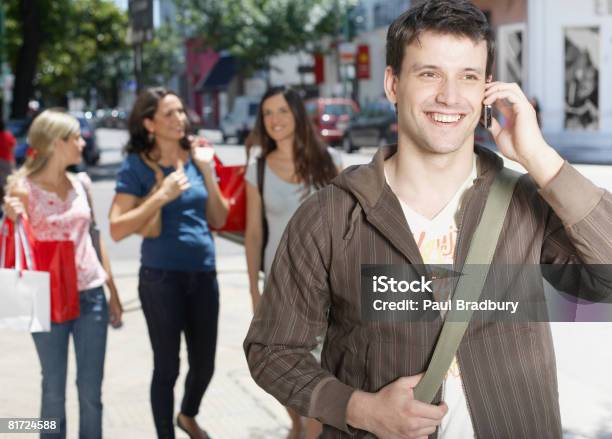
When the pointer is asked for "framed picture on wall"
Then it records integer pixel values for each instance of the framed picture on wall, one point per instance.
(510, 62)
(582, 78)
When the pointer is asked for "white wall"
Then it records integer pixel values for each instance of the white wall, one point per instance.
(284, 69)
(546, 70)
(331, 85)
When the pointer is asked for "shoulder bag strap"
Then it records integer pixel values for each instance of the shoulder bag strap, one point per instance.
(261, 169)
(470, 284)
(94, 231)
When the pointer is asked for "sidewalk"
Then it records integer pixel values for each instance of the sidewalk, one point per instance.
(234, 407)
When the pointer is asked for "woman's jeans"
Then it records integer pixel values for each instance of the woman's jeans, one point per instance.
(89, 335)
(173, 302)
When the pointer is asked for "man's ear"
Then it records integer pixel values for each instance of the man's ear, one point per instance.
(390, 85)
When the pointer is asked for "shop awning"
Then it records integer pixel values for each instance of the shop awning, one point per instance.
(220, 75)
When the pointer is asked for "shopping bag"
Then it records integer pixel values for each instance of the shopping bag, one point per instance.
(58, 259)
(25, 293)
(26, 234)
(232, 186)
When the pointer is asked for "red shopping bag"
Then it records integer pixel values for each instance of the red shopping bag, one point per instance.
(57, 258)
(232, 185)
(9, 241)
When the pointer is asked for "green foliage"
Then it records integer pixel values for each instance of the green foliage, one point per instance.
(255, 30)
(52, 25)
(83, 48)
(163, 57)
(92, 52)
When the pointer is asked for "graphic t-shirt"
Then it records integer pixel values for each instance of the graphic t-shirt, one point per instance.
(436, 239)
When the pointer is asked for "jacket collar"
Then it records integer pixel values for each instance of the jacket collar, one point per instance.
(382, 208)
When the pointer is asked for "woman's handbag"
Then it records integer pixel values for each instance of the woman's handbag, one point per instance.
(232, 186)
(152, 228)
(25, 293)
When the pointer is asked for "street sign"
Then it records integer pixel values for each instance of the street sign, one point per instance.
(319, 68)
(347, 53)
(363, 61)
(134, 37)
(140, 28)
(141, 14)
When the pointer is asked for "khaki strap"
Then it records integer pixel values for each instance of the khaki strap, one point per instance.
(470, 284)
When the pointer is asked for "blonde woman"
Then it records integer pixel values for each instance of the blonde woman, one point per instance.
(56, 204)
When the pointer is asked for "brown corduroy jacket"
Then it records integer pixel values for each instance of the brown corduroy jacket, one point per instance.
(313, 290)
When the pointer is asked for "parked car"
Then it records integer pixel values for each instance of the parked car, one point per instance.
(239, 122)
(375, 125)
(91, 152)
(195, 120)
(20, 127)
(330, 117)
(111, 118)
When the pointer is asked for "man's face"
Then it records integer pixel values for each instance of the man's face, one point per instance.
(439, 91)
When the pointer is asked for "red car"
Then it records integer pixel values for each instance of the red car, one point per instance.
(330, 117)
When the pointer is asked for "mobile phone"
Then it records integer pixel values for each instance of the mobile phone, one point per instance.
(486, 116)
(487, 111)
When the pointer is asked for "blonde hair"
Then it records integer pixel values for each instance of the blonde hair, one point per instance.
(47, 127)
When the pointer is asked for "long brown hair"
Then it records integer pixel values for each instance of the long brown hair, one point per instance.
(145, 107)
(313, 164)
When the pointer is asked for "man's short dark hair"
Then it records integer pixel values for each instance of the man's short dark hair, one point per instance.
(451, 17)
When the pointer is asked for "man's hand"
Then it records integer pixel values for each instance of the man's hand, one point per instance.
(393, 413)
(521, 139)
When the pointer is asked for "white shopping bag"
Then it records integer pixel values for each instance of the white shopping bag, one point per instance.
(25, 298)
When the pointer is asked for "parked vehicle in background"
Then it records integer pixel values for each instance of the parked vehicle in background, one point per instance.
(239, 122)
(91, 152)
(195, 120)
(20, 127)
(375, 125)
(111, 118)
(330, 117)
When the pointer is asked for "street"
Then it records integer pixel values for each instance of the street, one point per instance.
(234, 407)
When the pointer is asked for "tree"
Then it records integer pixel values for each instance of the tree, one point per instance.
(162, 56)
(92, 55)
(58, 47)
(30, 24)
(256, 30)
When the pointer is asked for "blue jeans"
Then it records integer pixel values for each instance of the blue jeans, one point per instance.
(89, 335)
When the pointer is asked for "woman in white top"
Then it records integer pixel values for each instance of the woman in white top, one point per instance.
(292, 164)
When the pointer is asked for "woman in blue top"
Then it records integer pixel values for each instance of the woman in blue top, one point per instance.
(177, 280)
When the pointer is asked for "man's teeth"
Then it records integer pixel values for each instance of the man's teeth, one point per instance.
(446, 118)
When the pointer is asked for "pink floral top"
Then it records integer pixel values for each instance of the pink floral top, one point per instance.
(55, 220)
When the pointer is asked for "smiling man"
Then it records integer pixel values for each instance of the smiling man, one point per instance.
(419, 202)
